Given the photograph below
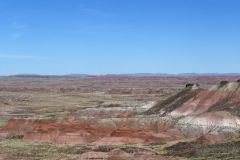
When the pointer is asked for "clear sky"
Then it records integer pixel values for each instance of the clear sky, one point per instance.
(119, 36)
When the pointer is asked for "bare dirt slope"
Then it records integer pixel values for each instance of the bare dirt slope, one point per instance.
(216, 107)
(224, 96)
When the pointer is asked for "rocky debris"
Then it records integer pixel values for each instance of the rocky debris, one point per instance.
(94, 155)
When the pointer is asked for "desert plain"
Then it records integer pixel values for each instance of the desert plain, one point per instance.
(119, 117)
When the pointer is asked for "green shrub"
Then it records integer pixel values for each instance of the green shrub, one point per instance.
(2, 122)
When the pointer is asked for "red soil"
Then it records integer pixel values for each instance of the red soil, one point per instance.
(67, 131)
(201, 103)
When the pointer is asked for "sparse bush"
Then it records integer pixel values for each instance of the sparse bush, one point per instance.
(14, 136)
(2, 122)
(222, 83)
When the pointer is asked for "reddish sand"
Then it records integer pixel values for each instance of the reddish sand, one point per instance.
(67, 131)
(202, 102)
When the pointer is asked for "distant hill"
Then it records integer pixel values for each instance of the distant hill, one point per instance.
(131, 75)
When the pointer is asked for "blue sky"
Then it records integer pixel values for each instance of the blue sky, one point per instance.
(119, 36)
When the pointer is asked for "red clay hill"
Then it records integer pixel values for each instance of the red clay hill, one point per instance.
(218, 105)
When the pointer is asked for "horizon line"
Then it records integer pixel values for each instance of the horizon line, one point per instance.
(119, 74)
